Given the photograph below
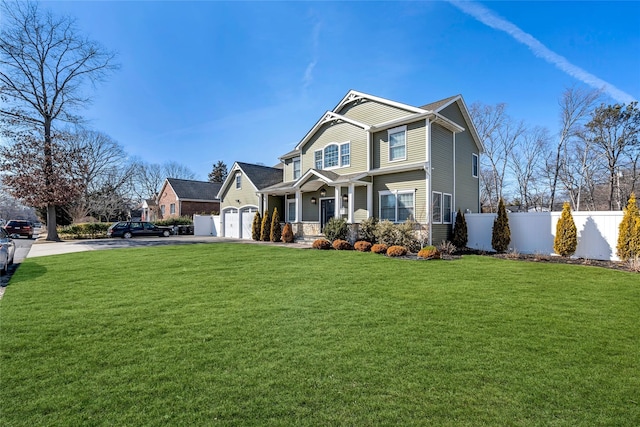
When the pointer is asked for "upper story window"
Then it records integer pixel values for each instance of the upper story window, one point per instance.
(333, 156)
(397, 143)
(238, 180)
(474, 165)
(296, 168)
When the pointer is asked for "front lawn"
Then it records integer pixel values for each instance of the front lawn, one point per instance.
(235, 334)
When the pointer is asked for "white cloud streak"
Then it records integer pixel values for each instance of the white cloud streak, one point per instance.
(315, 42)
(492, 20)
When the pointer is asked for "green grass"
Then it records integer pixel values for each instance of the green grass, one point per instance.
(229, 334)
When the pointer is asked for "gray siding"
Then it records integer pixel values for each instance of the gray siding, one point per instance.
(441, 159)
(338, 133)
(416, 140)
(411, 180)
(371, 112)
(360, 204)
(440, 232)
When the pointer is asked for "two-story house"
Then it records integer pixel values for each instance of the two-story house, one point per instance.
(371, 156)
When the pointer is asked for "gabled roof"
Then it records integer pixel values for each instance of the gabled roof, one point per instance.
(258, 176)
(437, 105)
(444, 103)
(187, 189)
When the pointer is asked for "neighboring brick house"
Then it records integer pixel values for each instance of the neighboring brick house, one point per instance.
(368, 157)
(185, 197)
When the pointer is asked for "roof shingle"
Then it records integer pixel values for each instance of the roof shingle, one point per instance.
(195, 190)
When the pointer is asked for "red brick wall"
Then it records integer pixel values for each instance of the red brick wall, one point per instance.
(204, 208)
(166, 199)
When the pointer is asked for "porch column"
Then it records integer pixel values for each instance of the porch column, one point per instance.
(369, 200)
(337, 202)
(298, 217)
(350, 203)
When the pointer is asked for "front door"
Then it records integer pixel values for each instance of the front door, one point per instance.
(327, 211)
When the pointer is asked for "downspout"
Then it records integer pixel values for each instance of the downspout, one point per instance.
(428, 184)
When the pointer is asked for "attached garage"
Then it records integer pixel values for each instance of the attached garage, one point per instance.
(231, 223)
(246, 219)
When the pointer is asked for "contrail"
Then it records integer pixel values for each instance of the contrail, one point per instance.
(492, 20)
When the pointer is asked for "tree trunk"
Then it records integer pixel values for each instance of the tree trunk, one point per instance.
(52, 229)
(52, 223)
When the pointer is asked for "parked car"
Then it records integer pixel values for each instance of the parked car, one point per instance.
(7, 251)
(129, 229)
(19, 227)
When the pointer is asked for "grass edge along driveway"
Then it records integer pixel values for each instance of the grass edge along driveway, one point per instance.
(255, 335)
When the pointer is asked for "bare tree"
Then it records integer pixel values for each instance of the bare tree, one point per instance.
(500, 134)
(614, 131)
(176, 170)
(527, 165)
(575, 107)
(45, 64)
(150, 177)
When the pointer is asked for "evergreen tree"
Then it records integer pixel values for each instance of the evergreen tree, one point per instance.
(276, 231)
(219, 172)
(501, 234)
(460, 235)
(256, 226)
(265, 230)
(566, 240)
(628, 238)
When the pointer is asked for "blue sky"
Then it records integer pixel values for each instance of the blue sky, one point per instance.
(207, 81)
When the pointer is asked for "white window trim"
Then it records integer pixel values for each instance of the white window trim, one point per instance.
(395, 194)
(238, 182)
(433, 193)
(389, 133)
(340, 165)
(474, 157)
(446, 220)
(293, 165)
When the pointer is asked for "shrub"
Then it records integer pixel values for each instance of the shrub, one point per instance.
(379, 248)
(460, 236)
(256, 226)
(287, 233)
(89, 230)
(367, 230)
(321, 244)
(336, 228)
(429, 252)
(501, 234)
(406, 236)
(265, 229)
(629, 231)
(446, 248)
(179, 220)
(386, 233)
(341, 245)
(396, 250)
(566, 240)
(276, 230)
(362, 246)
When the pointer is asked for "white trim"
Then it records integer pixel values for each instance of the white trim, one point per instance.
(477, 165)
(327, 117)
(295, 203)
(395, 193)
(398, 168)
(451, 210)
(293, 167)
(453, 197)
(322, 150)
(350, 202)
(390, 132)
(354, 95)
(238, 175)
(439, 193)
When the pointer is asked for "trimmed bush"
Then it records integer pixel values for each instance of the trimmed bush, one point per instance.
(460, 235)
(367, 230)
(276, 230)
(287, 234)
(256, 227)
(179, 220)
(386, 233)
(88, 230)
(429, 252)
(379, 248)
(341, 245)
(396, 250)
(566, 240)
(362, 246)
(501, 234)
(321, 244)
(336, 228)
(265, 230)
(629, 232)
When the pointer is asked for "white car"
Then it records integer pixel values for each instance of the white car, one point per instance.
(7, 251)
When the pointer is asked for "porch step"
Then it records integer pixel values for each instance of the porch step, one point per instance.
(309, 238)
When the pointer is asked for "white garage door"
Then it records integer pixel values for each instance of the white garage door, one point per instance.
(246, 219)
(231, 228)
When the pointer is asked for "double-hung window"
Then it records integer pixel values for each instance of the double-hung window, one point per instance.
(317, 155)
(345, 154)
(291, 210)
(441, 207)
(238, 180)
(398, 143)
(296, 168)
(397, 206)
(474, 165)
(172, 209)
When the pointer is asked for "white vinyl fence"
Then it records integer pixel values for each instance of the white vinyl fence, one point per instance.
(206, 225)
(534, 232)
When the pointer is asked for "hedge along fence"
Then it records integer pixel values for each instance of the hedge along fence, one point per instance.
(89, 230)
(534, 232)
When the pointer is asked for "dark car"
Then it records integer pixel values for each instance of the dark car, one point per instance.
(18, 227)
(129, 229)
(7, 251)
